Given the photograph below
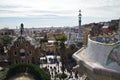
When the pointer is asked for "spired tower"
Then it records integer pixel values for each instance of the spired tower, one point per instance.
(79, 29)
(21, 29)
(119, 30)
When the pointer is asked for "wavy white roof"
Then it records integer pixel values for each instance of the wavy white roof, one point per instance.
(106, 55)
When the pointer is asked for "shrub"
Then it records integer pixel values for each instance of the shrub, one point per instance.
(61, 75)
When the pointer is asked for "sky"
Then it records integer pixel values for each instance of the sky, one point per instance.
(56, 13)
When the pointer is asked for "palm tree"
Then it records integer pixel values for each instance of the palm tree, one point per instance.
(1, 46)
(62, 51)
(55, 50)
(61, 39)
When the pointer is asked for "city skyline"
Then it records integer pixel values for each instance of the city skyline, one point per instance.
(36, 13)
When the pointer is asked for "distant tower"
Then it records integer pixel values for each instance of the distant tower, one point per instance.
(79, 29)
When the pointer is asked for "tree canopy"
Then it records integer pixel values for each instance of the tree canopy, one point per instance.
(6, 39)
(45, 39)
(61, 37)
(32, 69)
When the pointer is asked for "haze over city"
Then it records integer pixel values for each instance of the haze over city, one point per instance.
(58, 13)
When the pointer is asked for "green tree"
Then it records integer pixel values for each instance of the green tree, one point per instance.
(61, 37)
(5, 40)
(61, 76)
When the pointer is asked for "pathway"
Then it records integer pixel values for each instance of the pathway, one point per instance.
(22, 76)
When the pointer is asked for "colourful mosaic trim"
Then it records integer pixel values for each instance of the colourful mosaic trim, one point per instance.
(114, 55)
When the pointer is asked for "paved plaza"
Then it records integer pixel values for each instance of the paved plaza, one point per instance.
(22, 76)
(55, 68)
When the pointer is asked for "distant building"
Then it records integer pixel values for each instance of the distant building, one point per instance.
(72, 35)
(49, 46)
(7, 32)
(24, 49)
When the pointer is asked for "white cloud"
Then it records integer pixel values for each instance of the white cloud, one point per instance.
(60, 8)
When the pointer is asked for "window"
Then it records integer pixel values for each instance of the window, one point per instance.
(15, 53)
(21, 39)
(22, 61)
(9, 33)
(22, 52)
(26, 45)
(17, 45)
(30, 52)
(16, 61)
